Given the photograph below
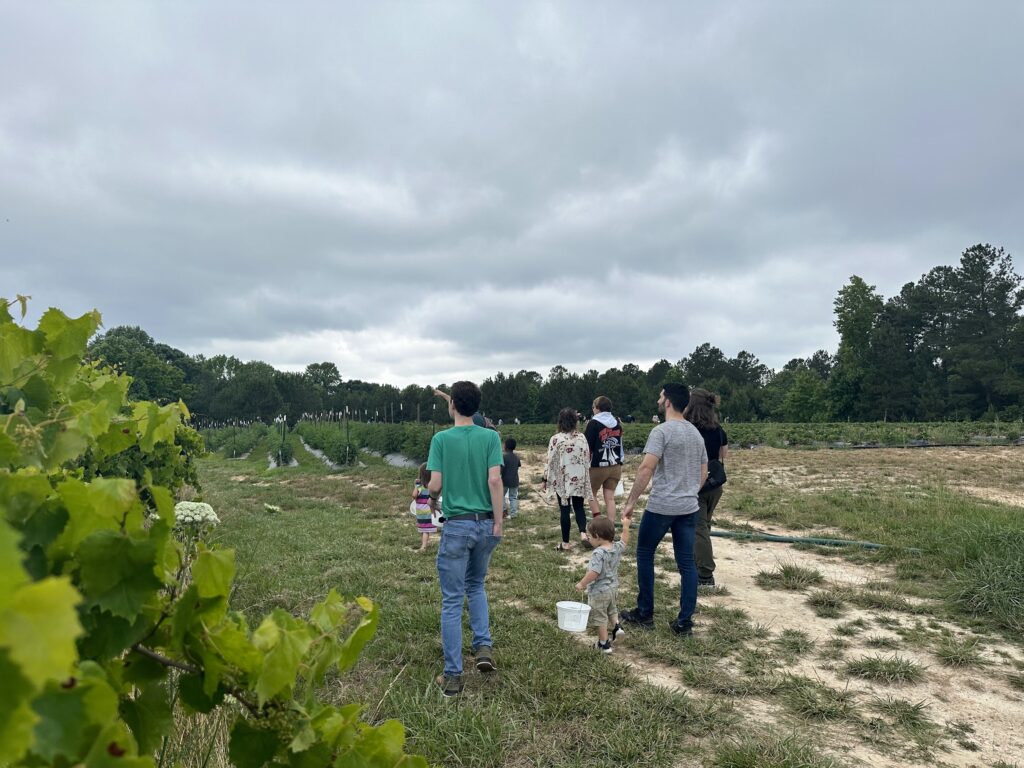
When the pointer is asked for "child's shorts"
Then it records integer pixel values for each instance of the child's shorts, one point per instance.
(602, 605)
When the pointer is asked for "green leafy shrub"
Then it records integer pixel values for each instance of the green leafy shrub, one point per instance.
(106, 618)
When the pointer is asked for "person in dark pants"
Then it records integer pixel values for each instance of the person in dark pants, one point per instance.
(701, 413)
(676, 460)
(567, 472)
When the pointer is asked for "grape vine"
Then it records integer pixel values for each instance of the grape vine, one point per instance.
(106, 617)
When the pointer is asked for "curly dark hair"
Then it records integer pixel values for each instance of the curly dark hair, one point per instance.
(567, 420)
(701, 410)
(466, 397)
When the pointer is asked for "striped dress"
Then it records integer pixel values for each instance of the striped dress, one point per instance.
(424, 520)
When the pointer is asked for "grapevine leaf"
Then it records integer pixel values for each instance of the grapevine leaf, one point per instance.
(8, 450)
(213, 572)
(66, 337)
(106, 635)
(231, 642)
(39, 626)
(192, 695)
(71, 716)
(285, 642)
(117, 572)
(22, 495)
(17, 348)
(149, 716)
(328, 613)
(115, 748)
(99, 505)
(363, 633)
(252, 747)
(12, 574)
(142, 670)
(16, 715)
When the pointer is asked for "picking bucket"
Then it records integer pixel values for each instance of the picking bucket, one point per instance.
(572, 616)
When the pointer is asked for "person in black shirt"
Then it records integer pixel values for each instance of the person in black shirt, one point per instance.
(510, 477)
(701, 413)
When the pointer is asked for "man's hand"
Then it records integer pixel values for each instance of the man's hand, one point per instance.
(627, 511)
(496, 530)
(433, 504)
(580, 586)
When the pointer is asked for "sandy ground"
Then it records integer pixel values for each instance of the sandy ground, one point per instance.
(981, 698)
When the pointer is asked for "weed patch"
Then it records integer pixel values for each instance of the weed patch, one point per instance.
(789, 576)
(885, 669)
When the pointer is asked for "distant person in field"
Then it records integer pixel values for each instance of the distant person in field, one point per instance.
(510, 477)
(676, 459)
(701, 413)
(567, 472)
(424, 514)
(465, 461)
(604, 438)
(602, 580)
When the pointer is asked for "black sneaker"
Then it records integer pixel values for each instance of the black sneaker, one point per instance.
(635, 617)
(606, 646)
(681, 628)
(451, 685)
(617, 630)
(708, 582)
(485, 659)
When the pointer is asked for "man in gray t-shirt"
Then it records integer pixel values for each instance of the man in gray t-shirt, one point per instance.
(677, 461)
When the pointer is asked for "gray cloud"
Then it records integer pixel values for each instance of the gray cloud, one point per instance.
(507, 187)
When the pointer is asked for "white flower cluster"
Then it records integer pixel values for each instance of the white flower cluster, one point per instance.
(194, 513)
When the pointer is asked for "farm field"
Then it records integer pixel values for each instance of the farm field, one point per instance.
(802, 655)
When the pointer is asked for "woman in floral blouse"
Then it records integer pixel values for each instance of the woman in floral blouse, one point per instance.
(568, 473)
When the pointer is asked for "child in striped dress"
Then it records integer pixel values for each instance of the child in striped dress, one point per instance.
(424, 519)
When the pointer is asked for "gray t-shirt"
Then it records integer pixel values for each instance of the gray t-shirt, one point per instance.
(680, 451)
(605, 563)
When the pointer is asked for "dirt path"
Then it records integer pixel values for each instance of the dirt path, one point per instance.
(978, 715)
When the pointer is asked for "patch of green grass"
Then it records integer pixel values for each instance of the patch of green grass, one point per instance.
(789, 576)
(957, 652)
(769, 750)
(903, 713)
(879, 601)
(755, 662)
(833, 649)
(812, 700)
(881, 642)
(793, 643)
(885, 669)
(828, 604)
(994, 588)
(850, 628)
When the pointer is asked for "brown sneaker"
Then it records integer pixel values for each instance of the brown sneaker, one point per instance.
(451, 685)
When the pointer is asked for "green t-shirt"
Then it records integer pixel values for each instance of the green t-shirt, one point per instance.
(463, 455)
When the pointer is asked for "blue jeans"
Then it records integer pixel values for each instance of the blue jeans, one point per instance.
(512, 503)
(462, 560)
(653, 528)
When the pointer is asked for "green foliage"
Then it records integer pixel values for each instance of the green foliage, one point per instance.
(106, 617)
(279, 446)
(885, 669)
(235, 441)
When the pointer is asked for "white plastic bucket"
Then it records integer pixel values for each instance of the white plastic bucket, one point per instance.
(572, 616)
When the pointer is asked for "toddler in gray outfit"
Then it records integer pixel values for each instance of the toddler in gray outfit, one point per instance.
(602, 579)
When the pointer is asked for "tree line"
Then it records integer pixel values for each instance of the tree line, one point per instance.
(949, 346)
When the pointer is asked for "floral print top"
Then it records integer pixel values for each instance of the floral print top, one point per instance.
(568, 465)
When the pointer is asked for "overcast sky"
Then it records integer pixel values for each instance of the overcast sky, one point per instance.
(427, 192)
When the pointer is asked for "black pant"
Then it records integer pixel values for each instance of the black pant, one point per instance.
(581, 516)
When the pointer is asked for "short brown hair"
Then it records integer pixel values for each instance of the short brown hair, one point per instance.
(567, 420)
(602, 403)
(602, 528)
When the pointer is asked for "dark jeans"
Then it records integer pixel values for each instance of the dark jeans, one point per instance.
(581, 516)
(653, 528)
(702, 550)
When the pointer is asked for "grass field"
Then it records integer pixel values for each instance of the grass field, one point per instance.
(803, 656)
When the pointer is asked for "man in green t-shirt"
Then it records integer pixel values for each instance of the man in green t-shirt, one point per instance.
(465, 461)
